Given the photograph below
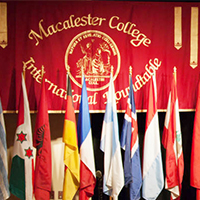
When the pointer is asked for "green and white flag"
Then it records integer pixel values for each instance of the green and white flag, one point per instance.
(22, 168)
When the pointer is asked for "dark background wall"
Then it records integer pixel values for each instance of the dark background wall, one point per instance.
(56, 127)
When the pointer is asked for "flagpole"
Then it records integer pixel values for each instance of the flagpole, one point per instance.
(111, 72)
(24, 72)
(130, 73)
(68, 71)
(42, 73)
(82, 73)
(175, 69)
(112, 68)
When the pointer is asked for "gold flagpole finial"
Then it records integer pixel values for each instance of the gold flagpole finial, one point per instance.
(175, 70)
(112, 69)
(68, 69)
(82, 74)
(67, 77)
(24, 71)
(130, 70)
(42, 73)
(130, 74)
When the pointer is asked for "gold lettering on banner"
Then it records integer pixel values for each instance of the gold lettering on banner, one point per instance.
(118, 95)
(55, 90)
(72, 22)
(178, 27)
(194, 37)
(33, 35)
(37, 74)
(60, 92)
(3, 25)
(129, 28)
(150, 68)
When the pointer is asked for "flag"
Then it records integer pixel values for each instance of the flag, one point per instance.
(4, 185)
(71, 157)
(22, 167)
(195, 156)
(130, 143)
(113, 180)
(42, 142)
(87, 165)
(172, 142)
(153, 178)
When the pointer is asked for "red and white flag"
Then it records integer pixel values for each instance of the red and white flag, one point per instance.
(153, 177)
(22, 168)
(195, 156)
(42, 142)
(172, 141)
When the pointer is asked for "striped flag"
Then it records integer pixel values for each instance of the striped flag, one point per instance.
(87, 165)
(22, 168)
(153, 178)
(172, 141)
(71, 157)
(195, 156)
(42, 142)
(4, 185)
(130, 143)
(113, 180)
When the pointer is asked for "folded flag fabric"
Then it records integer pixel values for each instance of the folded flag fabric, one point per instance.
(153, 177)
(195, 155)
(71, 155)
(42, 142)
(87, 164)
(130, 143)
(4, 185)
(172, 142)
(22, 167)
(113, 180)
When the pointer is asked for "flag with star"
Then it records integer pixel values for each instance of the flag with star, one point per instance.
(22, 167)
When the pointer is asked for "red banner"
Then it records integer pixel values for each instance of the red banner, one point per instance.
(91, 38)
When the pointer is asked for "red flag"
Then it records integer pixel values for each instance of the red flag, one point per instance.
(172, 141)
(195, 156)
(42, 142)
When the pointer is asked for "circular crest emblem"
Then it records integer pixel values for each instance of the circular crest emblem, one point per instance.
(93, 53)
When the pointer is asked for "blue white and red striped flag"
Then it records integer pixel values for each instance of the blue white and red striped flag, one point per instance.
(87, 165)
(130, 143)
(153, 178)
